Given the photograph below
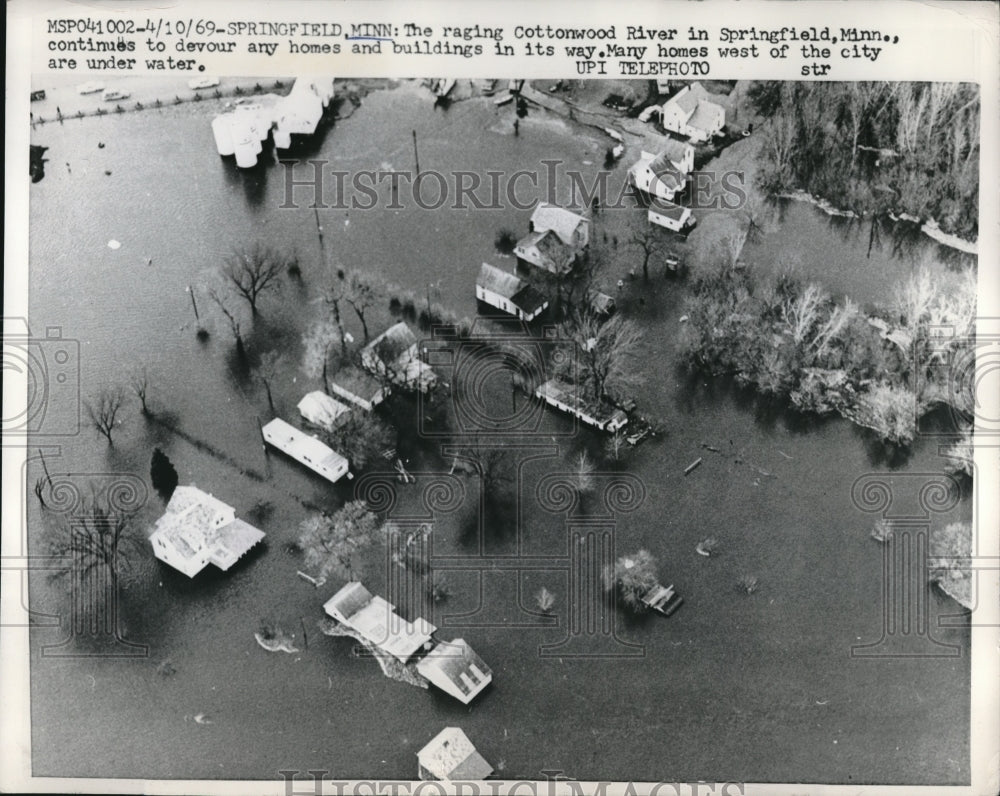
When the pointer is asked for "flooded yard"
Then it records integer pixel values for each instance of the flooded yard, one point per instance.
(758, 686)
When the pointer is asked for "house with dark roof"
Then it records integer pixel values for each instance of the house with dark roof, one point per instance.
(359, 388)
(557, 239)
(570, 398)
(198, 529)
(692, 113)
(509, 293)
(667, 214)
(395, 357)
(450, 756)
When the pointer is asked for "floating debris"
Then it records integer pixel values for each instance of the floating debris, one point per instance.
(113, 244)
(274, 639)
(694, 465)
(201, 718)
(706, 546)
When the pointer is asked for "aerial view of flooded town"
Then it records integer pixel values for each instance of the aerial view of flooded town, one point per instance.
(462, 429)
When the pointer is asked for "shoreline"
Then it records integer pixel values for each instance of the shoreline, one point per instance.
(929, 228)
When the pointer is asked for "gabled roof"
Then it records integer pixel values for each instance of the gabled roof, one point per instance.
(685, 99)
(351, 598)
(559, 220)
(454, 667)
(497, 281)
(321, 410)
(666, 172)
(450, 755)
(392, 343)
(704, 115)
(353, 381)
(529, 300)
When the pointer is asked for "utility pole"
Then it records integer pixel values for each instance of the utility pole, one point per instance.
(416, 156)
(194, 303)
(319, 234)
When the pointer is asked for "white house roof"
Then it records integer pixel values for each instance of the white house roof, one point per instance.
(322, 410)
(455, 668)
(450, 755)
(377, 621)
(559, 220)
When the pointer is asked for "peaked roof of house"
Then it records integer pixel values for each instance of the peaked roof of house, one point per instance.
(704, 114)
(237, 537)
(498, 281)
(357, 382)
(450, 755)
(666, 172)
(393, 342)
(320, 409)
(685, 99)
(454, 667)
(559, 220)
(529, 300)
(350, 599)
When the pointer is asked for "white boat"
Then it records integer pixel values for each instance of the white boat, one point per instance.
(90, 87)
(112, 95)
(203, 82)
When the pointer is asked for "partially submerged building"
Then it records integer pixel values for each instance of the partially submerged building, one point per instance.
(323, 410)
(198, 529)
(558, 238)
(376, 620)
(242, 130)
(663, 174)
(509, 293)
(452, 666)
(455, 668)
(569, 398)
(450, 756)
(306, 450)
(692, 113)
(394, 355)
(359, 388)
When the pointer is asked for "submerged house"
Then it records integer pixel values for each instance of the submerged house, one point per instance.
(557, 239)
(394, 356)
(376, 620)
(242, 130)
(452, 666)
(692, 113)
(199, 529)
(665, 174)
(450, 756)
(306, 450)
(359, 388)
(569, 398)
(509, 293)
(322, 410)
(455, 668)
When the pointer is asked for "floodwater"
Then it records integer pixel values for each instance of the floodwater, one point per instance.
(762, 686)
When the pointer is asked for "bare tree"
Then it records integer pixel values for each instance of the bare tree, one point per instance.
(139, 382)
(267, 371)
(333, 295)
(364, 290)
(583, 474)
(232, 319)
(318, 342)
(361, 438)
(649, 241)
(253, 270)
(98, 536)
(605, 353)
(492, 461)
(103, 410)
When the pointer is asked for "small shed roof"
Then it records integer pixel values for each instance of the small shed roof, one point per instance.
(450, 755)
(322, 410)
